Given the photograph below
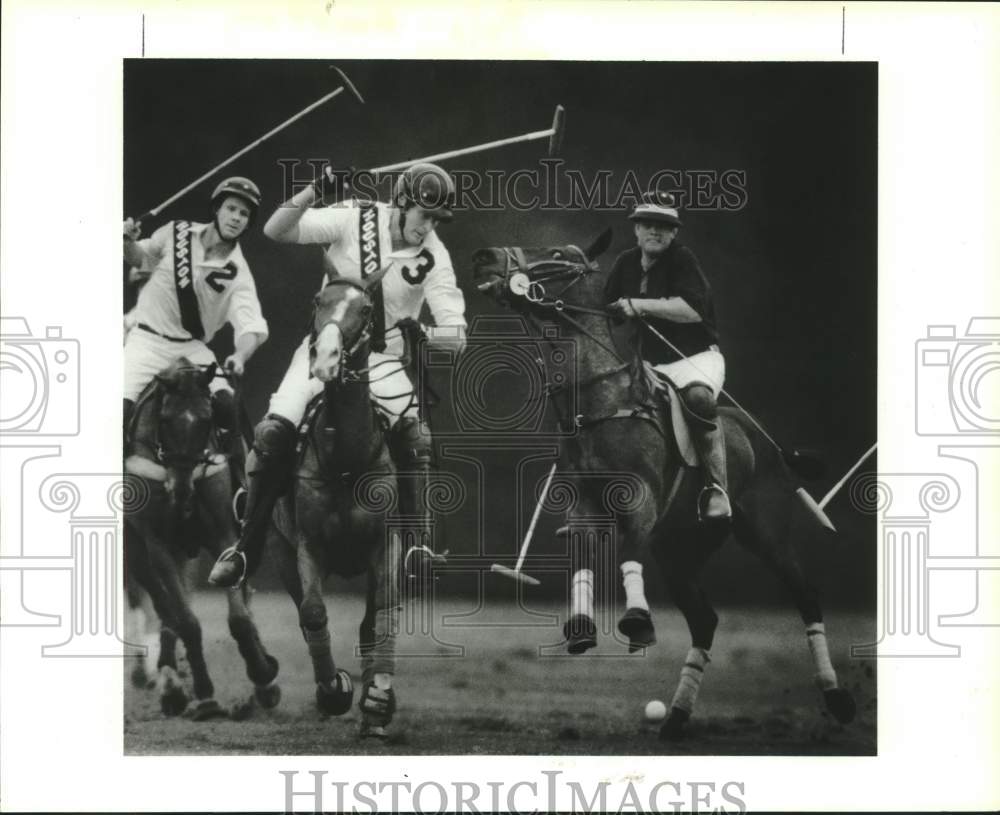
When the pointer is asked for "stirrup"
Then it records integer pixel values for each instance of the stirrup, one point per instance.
(226, 557)
(707, 491)
(240, 498)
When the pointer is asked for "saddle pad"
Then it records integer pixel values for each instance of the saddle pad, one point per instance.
(682, 434)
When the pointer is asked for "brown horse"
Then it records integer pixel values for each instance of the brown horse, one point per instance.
(334, 518)
(619, 427)
(175, 450)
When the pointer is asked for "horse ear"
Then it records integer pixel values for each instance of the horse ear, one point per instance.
(600, 245)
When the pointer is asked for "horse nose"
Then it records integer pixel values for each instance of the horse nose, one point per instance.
(327, 367)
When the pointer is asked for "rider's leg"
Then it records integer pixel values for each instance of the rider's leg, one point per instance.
(713, 503)
(268, 469)
(410, 446)
(268, 473)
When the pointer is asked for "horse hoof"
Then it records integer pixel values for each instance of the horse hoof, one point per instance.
(209, 709)
(173, 699)
(637, 625)
(841, 704)
(269, 675)
(674, 728)
(335, 700)
(580, 633)
(373, 730)
(140, 679)
(268, 695)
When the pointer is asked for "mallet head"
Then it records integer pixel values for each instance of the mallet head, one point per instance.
(520, 577)
(558, 129)
(348, 84)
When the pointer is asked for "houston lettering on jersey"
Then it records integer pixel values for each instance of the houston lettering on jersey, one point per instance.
(371, 262)
(184, 282)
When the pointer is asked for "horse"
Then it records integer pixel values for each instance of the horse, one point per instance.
(333, 517)
(621, 425)
(174, 449)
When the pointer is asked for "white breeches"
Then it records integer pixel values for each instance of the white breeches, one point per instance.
(389, 384)
(147, 354)
(708, 367)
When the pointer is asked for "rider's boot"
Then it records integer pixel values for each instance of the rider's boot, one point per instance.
(710, 442)
(713, 502)
(268, 473)
(412, 453)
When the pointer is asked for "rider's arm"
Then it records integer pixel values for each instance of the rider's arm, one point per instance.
(143, 254)
(249, 326)
(283, 225)
(446, 302)
(674, 309)
(690, 290)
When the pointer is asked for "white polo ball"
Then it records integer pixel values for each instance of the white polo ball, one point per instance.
(655, 711)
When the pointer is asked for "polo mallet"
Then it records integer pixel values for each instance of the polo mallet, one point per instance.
(308, 109)
(554, 134)
(802, 462)
(516, 573)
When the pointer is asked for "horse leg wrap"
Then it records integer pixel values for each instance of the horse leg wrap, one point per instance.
(826, 677)
(318, 642)
(582, 594)
(378, 700)
(635, 587)
(690, 682)
(382, 650)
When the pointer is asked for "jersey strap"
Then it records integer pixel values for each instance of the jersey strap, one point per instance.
(371, 262)
(184, 282)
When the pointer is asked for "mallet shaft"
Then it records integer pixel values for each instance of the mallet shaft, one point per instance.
(534, 518)
(464, 151)
(157, 209)
(836, 487)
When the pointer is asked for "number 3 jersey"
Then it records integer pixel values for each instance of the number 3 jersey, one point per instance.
(417, 274)
(223, 287)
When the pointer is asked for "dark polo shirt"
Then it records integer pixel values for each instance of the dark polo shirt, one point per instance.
(675, 273)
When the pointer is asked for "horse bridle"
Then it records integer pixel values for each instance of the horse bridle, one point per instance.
(525, 282)
(363, 336)
(170, 459)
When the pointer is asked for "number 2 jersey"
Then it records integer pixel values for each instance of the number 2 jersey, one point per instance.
(223, 287)
(416, 273)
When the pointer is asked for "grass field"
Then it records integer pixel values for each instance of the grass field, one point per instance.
(495, 680)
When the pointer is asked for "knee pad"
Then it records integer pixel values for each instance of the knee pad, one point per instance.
(699, 399)
(224, 409)
(274, 438)
(410, 442)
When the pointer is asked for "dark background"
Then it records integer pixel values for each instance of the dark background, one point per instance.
(794, 271)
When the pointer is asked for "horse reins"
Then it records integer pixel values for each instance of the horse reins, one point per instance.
(534, 292)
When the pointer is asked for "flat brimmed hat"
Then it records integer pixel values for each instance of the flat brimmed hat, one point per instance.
(657, 206)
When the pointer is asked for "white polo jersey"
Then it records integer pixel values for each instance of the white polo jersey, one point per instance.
(224, 289)
(416, 273)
